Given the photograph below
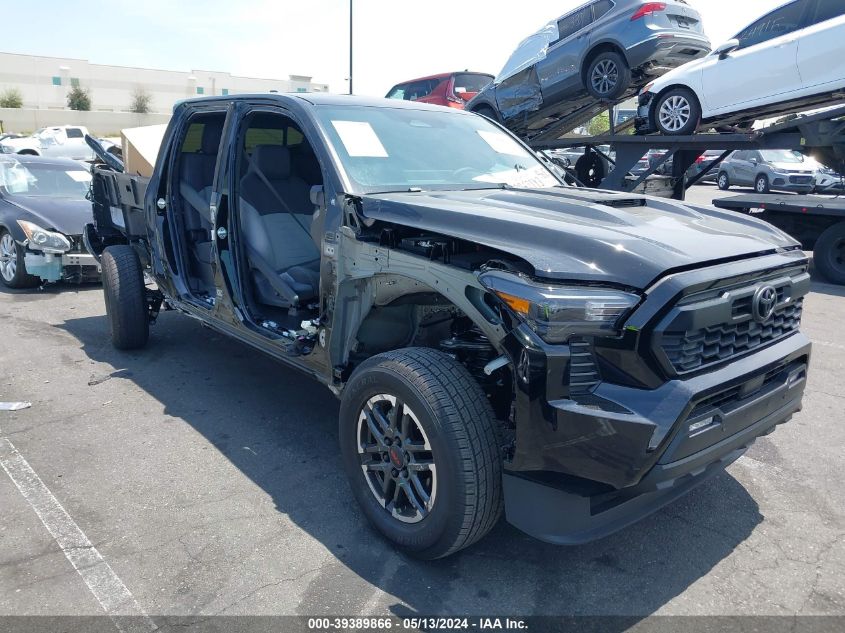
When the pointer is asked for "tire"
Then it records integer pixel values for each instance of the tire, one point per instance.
(761, 184)
(591, 169)
(126, 302)
(452, 416)
(677, 112)
(12, 266)
(829, 254)
(487, 111)
(607, 76)
(723, 181)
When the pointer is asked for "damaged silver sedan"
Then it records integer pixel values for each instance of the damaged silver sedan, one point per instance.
(43, 208)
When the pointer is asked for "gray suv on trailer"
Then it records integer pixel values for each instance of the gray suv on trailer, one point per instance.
(766, 170)
(600, 53)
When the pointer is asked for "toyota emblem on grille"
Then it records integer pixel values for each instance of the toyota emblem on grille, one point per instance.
(764, 303)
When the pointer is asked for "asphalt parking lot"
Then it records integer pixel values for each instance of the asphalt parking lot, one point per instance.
(207, 477)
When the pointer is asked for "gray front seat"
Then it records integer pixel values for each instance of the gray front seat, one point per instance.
(276, 213)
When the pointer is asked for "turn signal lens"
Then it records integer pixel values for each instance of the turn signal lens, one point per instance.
(518, 305)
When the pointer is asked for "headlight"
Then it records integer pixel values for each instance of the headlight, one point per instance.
(44, 240)
(557, 312)
(7, 149)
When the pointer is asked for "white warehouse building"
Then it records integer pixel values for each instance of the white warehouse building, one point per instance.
(45, 81)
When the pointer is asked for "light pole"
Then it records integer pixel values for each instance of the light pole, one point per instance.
(350, 46)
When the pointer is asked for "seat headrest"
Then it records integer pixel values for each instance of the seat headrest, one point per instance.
(272, 160)
(211, 133)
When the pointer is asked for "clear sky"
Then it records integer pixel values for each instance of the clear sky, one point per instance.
(395, 40)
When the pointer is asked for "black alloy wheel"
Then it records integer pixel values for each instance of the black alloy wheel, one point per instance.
(421, 447)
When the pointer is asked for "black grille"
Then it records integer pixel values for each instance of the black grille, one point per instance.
(727, 399)
(694, 349)
(800, 180)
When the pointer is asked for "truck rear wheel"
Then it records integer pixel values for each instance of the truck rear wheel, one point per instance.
(421, 448)
(607, 76)
(126, 303)
(829, 254)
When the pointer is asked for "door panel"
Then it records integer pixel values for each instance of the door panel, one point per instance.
(819, 45)
(752, 76)
(560, 71)
(765, 67)
(743, 169)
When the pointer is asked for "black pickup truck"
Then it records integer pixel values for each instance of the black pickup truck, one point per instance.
(498, 340)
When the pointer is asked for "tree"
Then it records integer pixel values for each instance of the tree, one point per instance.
(79, 98)
(599, 124)
(141, 101)
(11, 98)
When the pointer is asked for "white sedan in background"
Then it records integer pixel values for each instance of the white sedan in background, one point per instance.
(789, 60)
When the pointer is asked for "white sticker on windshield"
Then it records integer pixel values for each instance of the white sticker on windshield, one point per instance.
(79, 176)
(360, 139)
(501, 143)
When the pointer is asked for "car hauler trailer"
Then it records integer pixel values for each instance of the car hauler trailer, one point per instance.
(822, 133)
(818, 222)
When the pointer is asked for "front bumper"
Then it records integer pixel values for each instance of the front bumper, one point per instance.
(630, 451)
(800, 183)
(643, 123)
(73, 267)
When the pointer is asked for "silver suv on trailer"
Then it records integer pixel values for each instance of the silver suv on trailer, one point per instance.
(765, 170)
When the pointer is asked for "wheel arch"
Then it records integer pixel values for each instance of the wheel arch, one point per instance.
(387, 312)
(484, 105)
(379, 304)
(29, 152)
(607, 46)
(14, 230)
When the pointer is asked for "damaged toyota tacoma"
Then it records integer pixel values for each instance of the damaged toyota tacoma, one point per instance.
(499, 341)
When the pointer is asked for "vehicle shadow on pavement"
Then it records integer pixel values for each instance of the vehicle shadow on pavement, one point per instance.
(236, 398)
(44, 292)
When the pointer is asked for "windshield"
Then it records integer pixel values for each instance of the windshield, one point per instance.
(43, 179)
(782, 156)
(398, 149)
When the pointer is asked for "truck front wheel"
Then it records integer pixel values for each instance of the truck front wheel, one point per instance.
(421, 448)
(829, 254)
(126, 302)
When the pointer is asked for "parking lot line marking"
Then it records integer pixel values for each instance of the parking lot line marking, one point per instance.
(108, 589)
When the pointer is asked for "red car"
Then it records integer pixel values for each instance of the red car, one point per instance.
(447, 89)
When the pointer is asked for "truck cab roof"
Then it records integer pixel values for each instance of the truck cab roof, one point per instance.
(311, 98)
